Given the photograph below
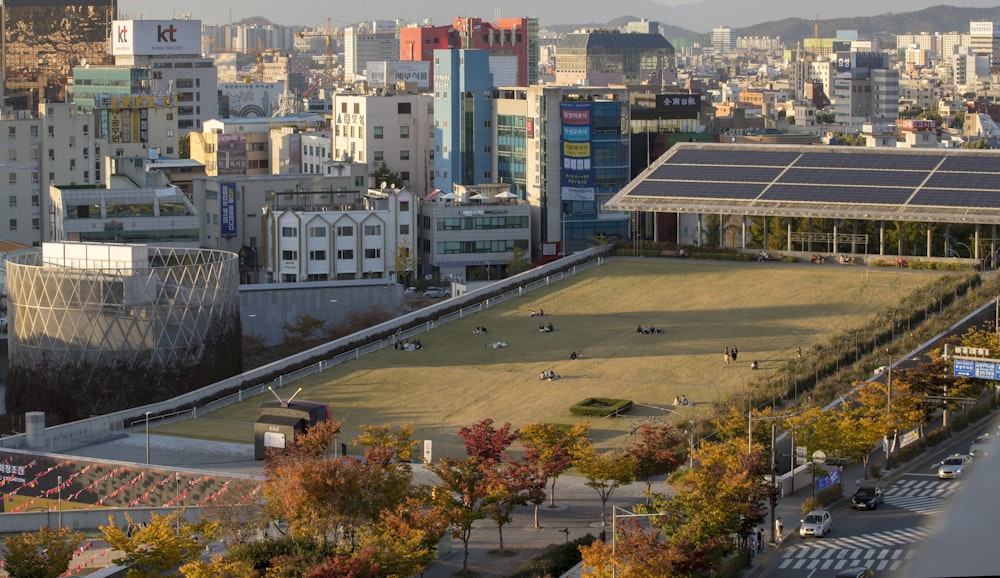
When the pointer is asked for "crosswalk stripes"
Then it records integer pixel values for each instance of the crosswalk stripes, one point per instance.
(879, 551)
(922, 496)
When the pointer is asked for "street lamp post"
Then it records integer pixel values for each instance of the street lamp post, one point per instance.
(614, 530)
(177, 500)
(147, 438)
(59, 503)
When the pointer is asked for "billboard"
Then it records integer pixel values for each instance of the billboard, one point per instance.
(984, 28)
(232, 154)
(155, 37)
(227, 210)
(252, 99)
(678, 106)
(128, 125)
(383, 72)
(577, 167)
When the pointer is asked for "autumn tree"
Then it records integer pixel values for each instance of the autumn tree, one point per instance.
(551, 446)
(460, 496)
(160, 546)
(484, 442)
(510, 484)
(42, 554)
(654, 453)
(219, 567)
(405, 539)
(605, 472)
(405, 261)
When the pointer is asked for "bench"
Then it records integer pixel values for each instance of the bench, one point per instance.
(671, 253)
(775, 257)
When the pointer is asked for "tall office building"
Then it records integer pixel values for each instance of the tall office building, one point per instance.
(366, 43)
(984, 39)
(723, 40)
(463, 115)
(608, 57)
(43, 39)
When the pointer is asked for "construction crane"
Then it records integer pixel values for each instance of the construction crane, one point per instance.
(328, 33)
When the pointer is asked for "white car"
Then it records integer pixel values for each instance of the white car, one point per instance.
(816, 523)
(981, 446)
(437, 293)
(953, 466)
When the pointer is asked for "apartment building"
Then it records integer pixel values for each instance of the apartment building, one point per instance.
(386, 126)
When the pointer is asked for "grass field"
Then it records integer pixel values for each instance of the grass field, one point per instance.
(766, 310)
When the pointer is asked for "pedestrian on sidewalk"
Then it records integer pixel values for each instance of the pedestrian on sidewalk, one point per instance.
(760, 540)
(778, 527)
(753, 544)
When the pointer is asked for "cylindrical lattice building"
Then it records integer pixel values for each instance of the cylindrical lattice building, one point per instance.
(96, 328)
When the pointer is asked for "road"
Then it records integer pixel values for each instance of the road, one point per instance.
(886, 539)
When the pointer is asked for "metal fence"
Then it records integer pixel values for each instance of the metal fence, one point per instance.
(190, 405)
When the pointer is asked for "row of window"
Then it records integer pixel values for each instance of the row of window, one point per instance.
(478, 223)
(499, 246)
(401, 107)
(342, 231)
(13, 201)
(342, 255)
(35, 224)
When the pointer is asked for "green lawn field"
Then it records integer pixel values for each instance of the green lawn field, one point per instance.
(766, 310)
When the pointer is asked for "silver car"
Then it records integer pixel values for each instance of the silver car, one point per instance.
(816, 523)
(981, 446)
(953, 466)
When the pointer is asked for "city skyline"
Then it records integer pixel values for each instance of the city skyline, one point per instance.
(697, 16)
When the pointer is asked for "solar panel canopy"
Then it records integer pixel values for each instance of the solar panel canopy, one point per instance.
(937, 185)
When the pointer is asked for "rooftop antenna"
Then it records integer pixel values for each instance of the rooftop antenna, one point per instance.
(283, 402)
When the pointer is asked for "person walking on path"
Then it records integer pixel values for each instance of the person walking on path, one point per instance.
(760, 540)
(753, 544)
(778, 527)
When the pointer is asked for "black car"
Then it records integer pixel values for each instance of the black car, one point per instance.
(867, 498)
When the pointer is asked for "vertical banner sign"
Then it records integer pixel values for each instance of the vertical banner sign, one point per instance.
(104, 130)
(577, 166)
(143, 125)
(227, 210)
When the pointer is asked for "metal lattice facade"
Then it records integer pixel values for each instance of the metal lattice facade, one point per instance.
(97, 328)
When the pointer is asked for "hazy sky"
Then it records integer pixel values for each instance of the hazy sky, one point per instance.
(698, 15)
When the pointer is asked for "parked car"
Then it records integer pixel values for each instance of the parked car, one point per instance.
(816, 523)
(867, 498)
(437, 292)
(953, 466)
(859, 572)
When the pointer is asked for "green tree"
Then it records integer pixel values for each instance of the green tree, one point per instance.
(519, 261)
(184, 147)
(405, 539)
(384, 175)
(42, 554)
(160, 546)
(552, 447)
(976, 143)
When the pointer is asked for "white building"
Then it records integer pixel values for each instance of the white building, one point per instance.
(365, 239)
(171, 51)
(367, 42)
(723, 40)
(984, 39)
(394, 128)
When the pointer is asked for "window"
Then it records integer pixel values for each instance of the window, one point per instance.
(12, 178)
(404, 155)
(12, 154)
(379, 156)
(373, 230)
(13, 224)
(290, 255)
(12, 131)
(403, 108)
(357, 108)
(345, 254)
(404, 206)
(86, 130)
(52, 154)
(373, 253)
(34, 131)
(345, 231)
(52, 131)
(72, 164)
(404, 229)
(404, 131)
(34, 200)
(378, 132)
(86, 176)
(36, 224)
(289, 232)
(317, 255)
(316, 232)
(405, 177)
(13, 201)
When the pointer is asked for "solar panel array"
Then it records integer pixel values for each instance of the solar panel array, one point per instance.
(851, 176)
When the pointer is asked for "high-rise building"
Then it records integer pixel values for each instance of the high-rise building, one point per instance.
(463, 115)
(367, 42)
(607, 57)
(984, 39)
(865, 89)
(516, 37)
(43, 40)
(722, 40)
(566, 151)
